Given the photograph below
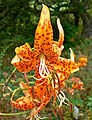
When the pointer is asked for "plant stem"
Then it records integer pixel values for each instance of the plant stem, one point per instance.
(25, 75)
(8, 79)
(14, 113)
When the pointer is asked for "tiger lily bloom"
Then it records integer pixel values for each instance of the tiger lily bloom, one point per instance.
(45, 60)
(46, 54)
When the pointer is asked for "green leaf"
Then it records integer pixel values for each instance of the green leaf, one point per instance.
(89, 104)
(90, 98)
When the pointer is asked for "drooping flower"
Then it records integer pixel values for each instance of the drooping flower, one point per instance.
(33, 98)
(28, 101)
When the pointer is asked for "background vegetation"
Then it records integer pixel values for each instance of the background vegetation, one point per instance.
(18, 22)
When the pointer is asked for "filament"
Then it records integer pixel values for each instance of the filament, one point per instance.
(61, 97)
(37, 116)
(43, 70)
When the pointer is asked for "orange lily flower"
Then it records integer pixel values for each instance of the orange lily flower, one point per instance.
(78, 85)
(45, 59)
(46, 54)
(32, 97)
(83, 61)
(28, 101)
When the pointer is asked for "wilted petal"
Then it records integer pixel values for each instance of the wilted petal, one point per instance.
(78, 85)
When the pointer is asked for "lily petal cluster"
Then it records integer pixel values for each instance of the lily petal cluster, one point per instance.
(46, 54)
(51, 70)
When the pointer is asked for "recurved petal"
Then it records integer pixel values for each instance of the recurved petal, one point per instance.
(45, 100)
(26, 66)
(15, 59)
(25, 103)
(44, 33)
(56, 51)
(25, 88)
(61, 33)
(72, 55)
(63, 65)
(58, 46)
(24, 52)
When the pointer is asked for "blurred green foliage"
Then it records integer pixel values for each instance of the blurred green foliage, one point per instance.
(19, 18)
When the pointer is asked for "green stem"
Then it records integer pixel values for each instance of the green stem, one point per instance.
(14, 113)
(10, 89)
(2, 84)
(8, 79)
(32, 76)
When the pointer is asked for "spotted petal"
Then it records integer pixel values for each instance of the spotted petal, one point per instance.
(45, 100)
(63, 65)
(56, 51)
(24, 52)
(25, 66)
(44, 33)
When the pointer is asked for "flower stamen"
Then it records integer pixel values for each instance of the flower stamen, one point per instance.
(61, 97)
(43, 70)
